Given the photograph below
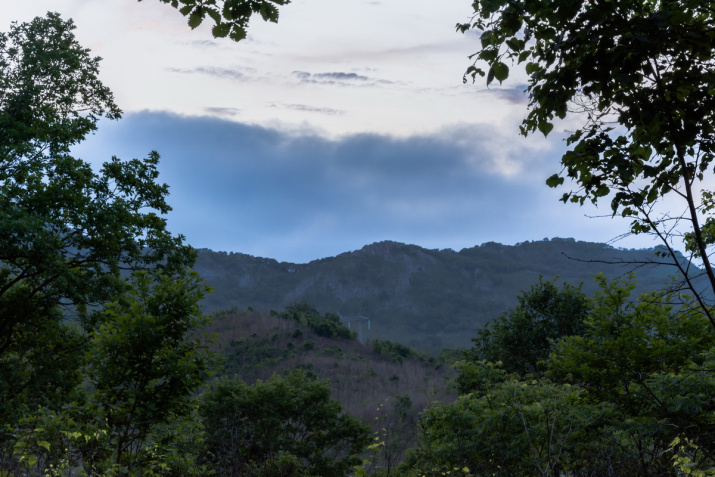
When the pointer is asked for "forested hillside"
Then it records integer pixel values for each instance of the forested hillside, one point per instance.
(109, 366)
(386, 385)
(428, 299)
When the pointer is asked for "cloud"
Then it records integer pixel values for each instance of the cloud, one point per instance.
(386, 54)
(225, 73)
(298, 197)
(338, 78)
(513, 95)
(220, 111)
(203, 43)
(474, 34)
(309, 109)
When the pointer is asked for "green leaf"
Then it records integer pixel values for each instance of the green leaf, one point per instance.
(221, 30)
(602, 190)
(269, 13)
(515, 44)
(195, 20)
(44, 444)
(554, 181)
(531, 68)
(501, 71)
(271, 413)
(237, 33)
(486, 39)
(545, 127)
(489, 55)
(215, 15)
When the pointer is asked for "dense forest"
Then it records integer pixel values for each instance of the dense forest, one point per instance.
(109, 366)
(428, 299)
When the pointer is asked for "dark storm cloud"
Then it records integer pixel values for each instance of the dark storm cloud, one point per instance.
(300, 197)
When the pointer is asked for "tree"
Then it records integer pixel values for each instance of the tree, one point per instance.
(522, 338)
(230, 16)
(143, 365)
(67, 233)
(327, 325)
(50, 93)
(144, 370)
(110, 393)
(617, 399)
(42, 367)
(507, 427)
(639, 75)
(652, 365)
(284, 426)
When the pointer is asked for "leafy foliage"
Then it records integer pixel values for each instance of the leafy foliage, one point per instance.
(73, 442)
(522, 338)
(397, 352)
(139, 418)
(283, 426)
(66, 232)
(384, 393)
(142, 367)
(41, 367)
(112, 392)
(641, 74)
(508, 427)
(327, 325)
(230, 16)
(51, 94)
(614, 400)
(653, 364)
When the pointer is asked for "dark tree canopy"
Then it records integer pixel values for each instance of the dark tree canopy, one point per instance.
(67, 231)
(50, 93)
(617, 399)
(230, 16)
(523, 337)
(112, 393)
(282, 426)
(640, 75)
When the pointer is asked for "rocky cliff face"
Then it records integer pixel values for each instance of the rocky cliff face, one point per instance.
(420, 297)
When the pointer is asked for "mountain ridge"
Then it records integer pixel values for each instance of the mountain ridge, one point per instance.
(426, 298)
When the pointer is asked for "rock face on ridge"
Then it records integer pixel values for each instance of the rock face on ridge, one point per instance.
(429, 299)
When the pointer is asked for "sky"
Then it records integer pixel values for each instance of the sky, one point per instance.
(345, 124)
